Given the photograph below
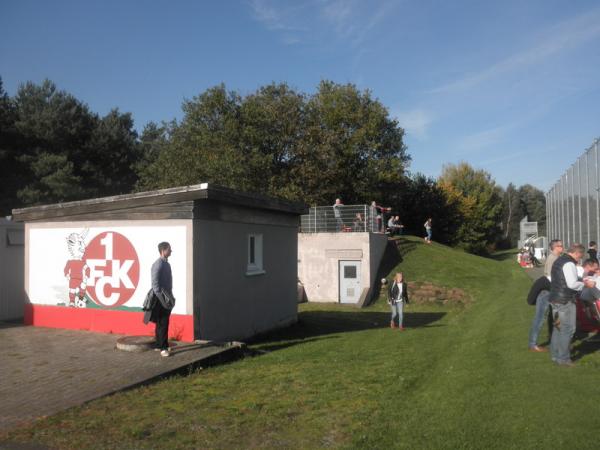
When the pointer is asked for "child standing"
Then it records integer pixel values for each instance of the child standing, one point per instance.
(397, 297)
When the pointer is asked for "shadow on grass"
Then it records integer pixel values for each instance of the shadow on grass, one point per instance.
(504, 255)
(586, 347)
(394, 254)
(317, 325)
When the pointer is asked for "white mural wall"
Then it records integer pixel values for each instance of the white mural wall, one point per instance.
(102, 267)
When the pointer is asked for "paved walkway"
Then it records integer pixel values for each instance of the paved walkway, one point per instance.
(44, 370)
(535, 272)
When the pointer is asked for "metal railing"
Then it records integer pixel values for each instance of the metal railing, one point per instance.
(344, 219)
(573, 203)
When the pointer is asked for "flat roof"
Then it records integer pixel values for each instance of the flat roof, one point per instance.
(203, 191)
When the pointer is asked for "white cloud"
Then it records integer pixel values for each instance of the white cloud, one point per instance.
(266, 13)
(349, 20)
(415, 122)
(484, 139)
(564, 36)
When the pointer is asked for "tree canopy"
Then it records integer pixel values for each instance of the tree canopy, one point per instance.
(479, 202)
(53, 148)
(336, 142)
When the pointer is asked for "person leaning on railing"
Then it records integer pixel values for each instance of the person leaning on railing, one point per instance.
(359, 222)
(378, 213)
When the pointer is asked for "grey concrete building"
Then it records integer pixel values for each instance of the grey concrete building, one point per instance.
(340, 250)
(11, 270)
(234, 262)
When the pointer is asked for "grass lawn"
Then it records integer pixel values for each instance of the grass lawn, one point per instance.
(457, 378)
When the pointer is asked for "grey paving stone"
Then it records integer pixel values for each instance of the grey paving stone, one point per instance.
(45, 370)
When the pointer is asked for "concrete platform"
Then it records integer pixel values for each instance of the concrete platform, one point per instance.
(44, 371)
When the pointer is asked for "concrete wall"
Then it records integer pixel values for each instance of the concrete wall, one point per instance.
(318, 261)
(12, 253)
(228, 303)
(378, 244)
(47, 287)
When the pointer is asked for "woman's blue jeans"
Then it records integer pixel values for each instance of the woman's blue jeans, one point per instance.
(541, 308)
(397, 310)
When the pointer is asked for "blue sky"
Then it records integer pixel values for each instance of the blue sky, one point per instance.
(512, 87)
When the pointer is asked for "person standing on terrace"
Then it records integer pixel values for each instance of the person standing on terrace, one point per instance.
(337, 213)
(378, 216)
(429, 230)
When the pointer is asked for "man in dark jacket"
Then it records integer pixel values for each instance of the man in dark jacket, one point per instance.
(565, 285)
(162, 285)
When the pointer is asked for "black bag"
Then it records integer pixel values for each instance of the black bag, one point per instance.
(541, 284)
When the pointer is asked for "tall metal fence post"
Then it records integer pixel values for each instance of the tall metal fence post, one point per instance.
(579, 199)
(550, 214)
(597, 195)
(565, 228)
(587, 194)
(564, 210)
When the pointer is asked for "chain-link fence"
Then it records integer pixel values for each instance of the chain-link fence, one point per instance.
(573, 203)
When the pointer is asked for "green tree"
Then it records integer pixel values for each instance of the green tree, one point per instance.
(54, 128)
(11, 170)
(419, 197)
(153, 140)
(352, 149)
(111, 155)
(479, 202)
(337, 142)
(511, 215)
(204, 147)
(533, 205)
(63, 151)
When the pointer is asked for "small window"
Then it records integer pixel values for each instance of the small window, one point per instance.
(349, 271)
(255, 255)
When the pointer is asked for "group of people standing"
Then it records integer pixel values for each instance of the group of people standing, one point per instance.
(565, 277)
(375, 221)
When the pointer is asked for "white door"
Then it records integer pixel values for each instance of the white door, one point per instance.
(349, 281)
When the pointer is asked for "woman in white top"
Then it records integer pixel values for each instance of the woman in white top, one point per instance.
(397, 297)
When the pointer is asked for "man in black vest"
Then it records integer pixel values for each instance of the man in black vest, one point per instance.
(565, 285)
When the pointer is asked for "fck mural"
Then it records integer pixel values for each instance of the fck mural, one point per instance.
(105, 268)
(105, 271)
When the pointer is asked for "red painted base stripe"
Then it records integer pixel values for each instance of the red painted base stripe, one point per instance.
(181, 327)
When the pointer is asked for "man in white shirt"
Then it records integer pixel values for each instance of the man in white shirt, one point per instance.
(565, 285)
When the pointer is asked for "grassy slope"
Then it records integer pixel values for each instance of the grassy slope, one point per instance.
(340, 378)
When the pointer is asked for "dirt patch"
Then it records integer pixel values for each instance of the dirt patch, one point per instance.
(428, 293)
